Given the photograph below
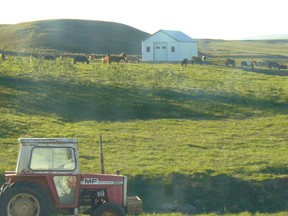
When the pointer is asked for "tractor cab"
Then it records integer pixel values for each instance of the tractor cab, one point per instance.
(38, 155)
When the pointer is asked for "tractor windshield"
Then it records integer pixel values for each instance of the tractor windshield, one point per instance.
(50, 159)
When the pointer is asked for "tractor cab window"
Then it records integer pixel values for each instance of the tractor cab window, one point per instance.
(49, 159)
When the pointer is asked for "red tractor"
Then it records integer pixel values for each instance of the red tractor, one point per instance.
(47, 181)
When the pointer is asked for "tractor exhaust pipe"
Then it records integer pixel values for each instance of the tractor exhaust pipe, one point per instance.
(101, 156)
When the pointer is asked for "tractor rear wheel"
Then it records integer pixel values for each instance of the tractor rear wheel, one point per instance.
(25, 199)
(108, 209)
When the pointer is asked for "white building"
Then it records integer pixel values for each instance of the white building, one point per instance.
(167, 45)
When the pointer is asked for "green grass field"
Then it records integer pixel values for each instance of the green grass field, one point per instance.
(211, 137)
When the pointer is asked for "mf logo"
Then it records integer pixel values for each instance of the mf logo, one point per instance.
(89, 181)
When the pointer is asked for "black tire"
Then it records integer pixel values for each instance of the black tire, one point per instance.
(108, 209)
(25, 199)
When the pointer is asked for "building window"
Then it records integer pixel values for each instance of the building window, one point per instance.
(148, 49)
(172, 49)
(157, 47)
(163, 47)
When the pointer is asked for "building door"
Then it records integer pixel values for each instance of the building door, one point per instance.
(160, 51)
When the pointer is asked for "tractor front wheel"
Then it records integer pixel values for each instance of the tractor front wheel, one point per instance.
(25, 199)
(108, 209)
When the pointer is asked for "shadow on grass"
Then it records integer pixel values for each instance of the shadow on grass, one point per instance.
(76, 102)
(203, 193)
(275, 170)
(271, 72)
(265, 71)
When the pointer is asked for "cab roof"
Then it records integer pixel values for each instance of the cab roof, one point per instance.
(48, 140)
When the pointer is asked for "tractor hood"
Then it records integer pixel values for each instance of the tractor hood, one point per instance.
(102, 179)
(115, 186)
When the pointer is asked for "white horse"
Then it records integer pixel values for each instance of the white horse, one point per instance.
(248, 64)
(132, 59)
(3, 57)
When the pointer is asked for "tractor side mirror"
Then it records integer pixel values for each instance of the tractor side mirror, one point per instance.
(69, 154)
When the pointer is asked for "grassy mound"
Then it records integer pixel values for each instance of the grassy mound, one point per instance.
(78, 36)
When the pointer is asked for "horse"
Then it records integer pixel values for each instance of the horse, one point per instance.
(3, 57)
(196, 60)
(49, 58)
(34, 56)
(82, 59)
(282, 67)
(248, 64)
(184, 62)
(230, 62)
(106, 59)
(204, 58)
(132, 59)
(117, 59)
(92, 57)
(275, 65)
(65, 56)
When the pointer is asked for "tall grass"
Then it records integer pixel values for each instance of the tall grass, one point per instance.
(208, 136)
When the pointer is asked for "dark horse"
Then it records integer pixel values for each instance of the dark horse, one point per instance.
(275, 65)
(49, 58)
(108, 59)
(117, 59)
(283, 66)
(230, 62)
(196, 60)
(184, 62)
(248, 64)
(82, 59)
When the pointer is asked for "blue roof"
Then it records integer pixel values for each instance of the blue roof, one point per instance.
(177, 35)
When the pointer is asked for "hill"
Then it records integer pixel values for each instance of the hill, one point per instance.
(245, 48)
(269, 37)
(78, 36)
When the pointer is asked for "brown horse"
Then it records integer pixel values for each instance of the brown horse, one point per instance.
(65, 56)
(109, 59)
(106, 59)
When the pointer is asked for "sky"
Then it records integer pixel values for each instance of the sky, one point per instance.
(200, 19)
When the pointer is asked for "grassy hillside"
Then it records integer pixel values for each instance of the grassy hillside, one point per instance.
(72, 36)
(208, 137)
(264, 49)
